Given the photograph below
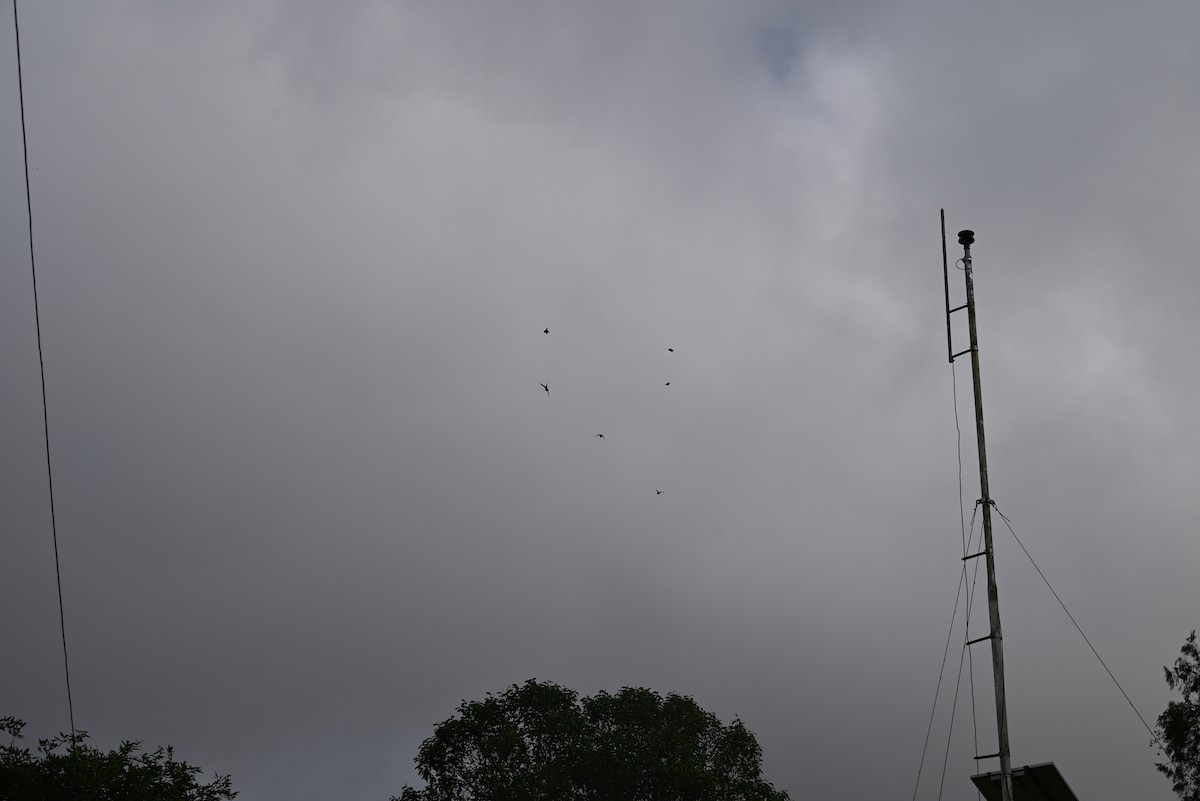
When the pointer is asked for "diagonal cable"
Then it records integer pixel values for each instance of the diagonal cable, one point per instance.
(1096, 653)
(970, 653)
(966, 650)
(961, 581)
(42, 367)
(962, 577)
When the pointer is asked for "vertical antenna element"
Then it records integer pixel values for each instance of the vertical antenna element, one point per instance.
(966, 239)
(946, 282)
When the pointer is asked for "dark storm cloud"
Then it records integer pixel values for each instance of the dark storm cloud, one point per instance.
(296, 264)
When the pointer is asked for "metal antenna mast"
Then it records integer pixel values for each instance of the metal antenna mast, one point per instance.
(966, 239)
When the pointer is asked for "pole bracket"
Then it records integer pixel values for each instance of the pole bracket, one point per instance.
(975, 555)
(981, 639)
(989, 756)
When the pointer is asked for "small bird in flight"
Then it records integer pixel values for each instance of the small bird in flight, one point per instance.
(547, 331)
(547, 388)
(658, 492)
(601, 436)
(668, 383)
(672, 350)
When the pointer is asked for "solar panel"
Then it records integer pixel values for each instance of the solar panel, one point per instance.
(1031, 783)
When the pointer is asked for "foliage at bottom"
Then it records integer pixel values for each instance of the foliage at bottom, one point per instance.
(541, 742)
(66, 768)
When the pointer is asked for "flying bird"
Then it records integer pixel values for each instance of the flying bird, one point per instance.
(547, 388)
(672, 350)
(601, 436)
(668, 383)
(658, 492)
(547, 331)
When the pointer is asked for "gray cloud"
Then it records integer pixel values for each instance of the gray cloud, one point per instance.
(294, 268)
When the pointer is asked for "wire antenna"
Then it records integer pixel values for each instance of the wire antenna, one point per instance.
(42, 368)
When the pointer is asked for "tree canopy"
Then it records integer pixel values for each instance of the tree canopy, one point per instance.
(66, 768)
(1179, 725)
(541, 742)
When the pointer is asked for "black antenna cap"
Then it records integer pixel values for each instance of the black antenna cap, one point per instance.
(966, 237)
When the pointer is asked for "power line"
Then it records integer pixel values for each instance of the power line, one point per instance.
(1096, 653)
(42, 368)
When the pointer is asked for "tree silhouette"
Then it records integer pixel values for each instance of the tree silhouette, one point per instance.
(1178, 726)
(66, 768)
(541, 742)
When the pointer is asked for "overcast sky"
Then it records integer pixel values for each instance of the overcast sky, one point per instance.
(295, 261)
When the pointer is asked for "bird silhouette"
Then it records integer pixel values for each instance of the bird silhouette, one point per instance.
(658, 492)
(547, 331)
(601, 436)
(668, 383)
(672, 350)
(547, 388)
